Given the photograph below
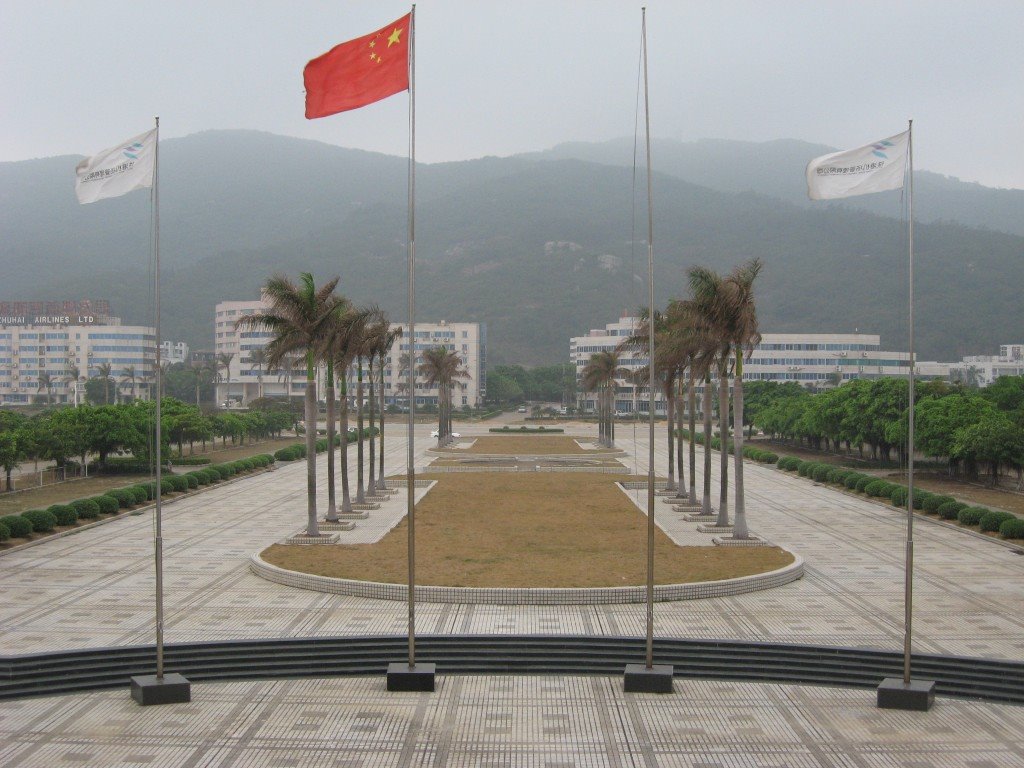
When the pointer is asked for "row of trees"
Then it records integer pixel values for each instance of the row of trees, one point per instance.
(65, 434)
(327, 329)
(710, 332)
(965, 427)
(510, 384)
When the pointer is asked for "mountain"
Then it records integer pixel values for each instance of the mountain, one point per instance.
(539, 249)
(775, 168)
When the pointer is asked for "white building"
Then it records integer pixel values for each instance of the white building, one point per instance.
(815, 359)
(32, 352)
(173, 352)
(982, 370)
(240, 381)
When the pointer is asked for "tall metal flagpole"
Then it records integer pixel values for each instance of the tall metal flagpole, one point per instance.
(174, 688)
(649, 678)
(896, 693)
(909, 572)
(410, 505)
(650, 367)
(157, 437)
(413, 676)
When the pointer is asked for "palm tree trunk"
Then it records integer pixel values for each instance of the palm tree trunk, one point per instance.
(372, 481)
(670, 412)
(740, 529)
(360, 487)
(346, 497)
(723, 448)
(381, 485)
(332, 509)
(311, 528)
(706, 405)
(691, 399)
(680, 469)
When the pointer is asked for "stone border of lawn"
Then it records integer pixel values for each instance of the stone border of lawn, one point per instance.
(525, 595)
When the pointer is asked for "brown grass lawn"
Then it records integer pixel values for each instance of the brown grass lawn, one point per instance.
(527, 530)
(527, 444)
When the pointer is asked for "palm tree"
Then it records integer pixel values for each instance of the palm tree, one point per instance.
(379, 340)
(71, 379)
(599, 375)
(224, 361)
(441, 368)
(298, 316)
(203, 373)
(257, 359)
(46, 382)
(387, 340)
(729, 321)
(128, 376)
(103, 370)
(738, 314)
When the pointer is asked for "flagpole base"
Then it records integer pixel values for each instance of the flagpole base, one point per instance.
(916, 696)
(641, 679)
(418, 677)
(171, 689)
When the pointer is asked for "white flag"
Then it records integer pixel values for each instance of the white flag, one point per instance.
(118, 170)
(874, 168)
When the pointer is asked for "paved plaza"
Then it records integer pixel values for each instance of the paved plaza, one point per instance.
(95, 588)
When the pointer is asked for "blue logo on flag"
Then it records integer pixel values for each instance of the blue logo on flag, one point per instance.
(879, 149)
(132, 151)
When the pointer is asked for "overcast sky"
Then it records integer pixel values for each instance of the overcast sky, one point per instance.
(501, 78)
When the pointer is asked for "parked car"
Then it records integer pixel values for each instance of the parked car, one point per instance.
(435, 433)
(521, 409)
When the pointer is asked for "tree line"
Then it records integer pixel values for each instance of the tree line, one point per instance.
(75, 434)
(964, 427)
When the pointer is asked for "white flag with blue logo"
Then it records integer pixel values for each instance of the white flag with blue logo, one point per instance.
(118, 170)
(874, 168)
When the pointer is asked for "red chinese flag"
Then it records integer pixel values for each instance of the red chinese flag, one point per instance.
(359, 72)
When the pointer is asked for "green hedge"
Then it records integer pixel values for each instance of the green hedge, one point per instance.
(994, 519)
(107, 504)
(950, 509)
(932, 503)
(1010, 529)
(87, 509)
(124, 497)
(64, 514)
(191, 480)
(5, 532)
(864, 482)
(971, 515)
(789, 463)
(19, 526)
(42, 520)
(853, 480)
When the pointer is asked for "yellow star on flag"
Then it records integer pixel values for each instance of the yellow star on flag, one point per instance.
(394, 37)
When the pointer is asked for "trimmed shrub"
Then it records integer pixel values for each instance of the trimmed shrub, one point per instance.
(852, 479)
(108, 504)
(1010, 529)
(123, 496)
(971, 515)
(877, 488)
(142, 493)
(191, 480)
(863, 482)
(920, 497)
(994, 519)
(212, 475)
(898, 497)
(19, 526)
(805, 468)
(64, 514)
(291, 453)
(42, 521)
(820, 473)
(5, 532)
(950, 509)
(87, 509)
(789, 463)
(932, 503)
(167, 486)
(178, 482)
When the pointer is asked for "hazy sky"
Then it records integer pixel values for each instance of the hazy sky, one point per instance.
(501, 78)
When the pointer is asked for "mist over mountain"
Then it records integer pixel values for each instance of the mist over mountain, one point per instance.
(539, 247)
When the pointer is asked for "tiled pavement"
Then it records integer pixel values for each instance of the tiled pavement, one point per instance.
(95, 588)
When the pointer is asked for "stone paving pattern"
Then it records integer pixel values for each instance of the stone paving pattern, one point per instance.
(95, 588)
